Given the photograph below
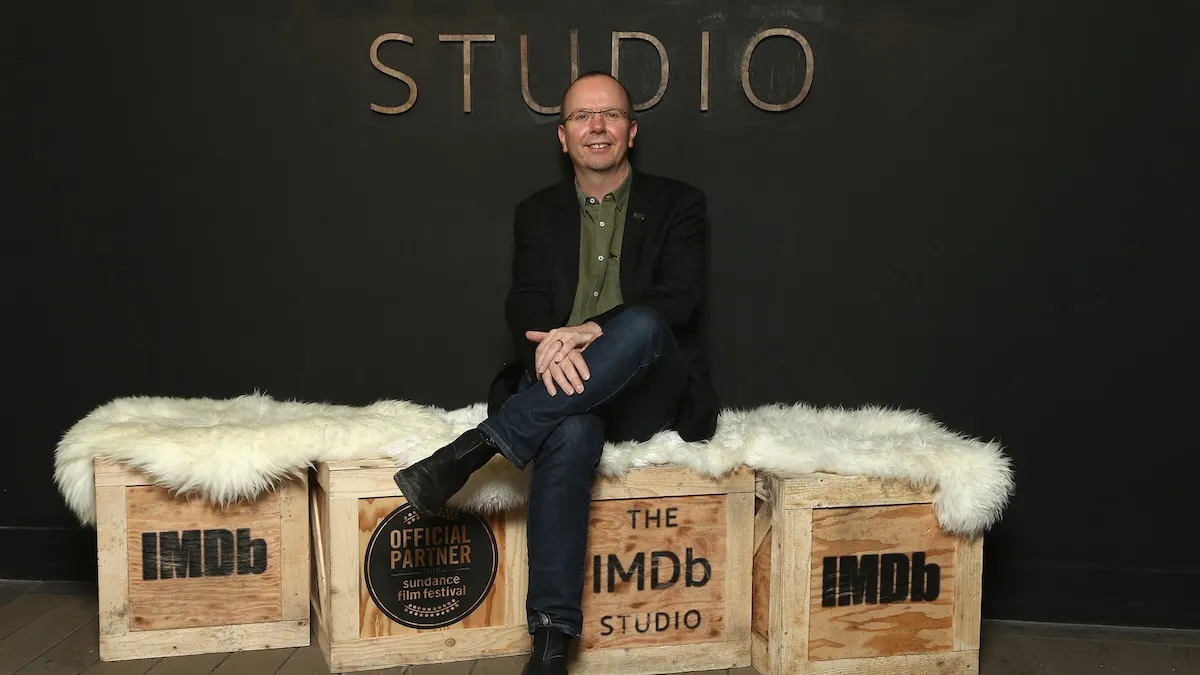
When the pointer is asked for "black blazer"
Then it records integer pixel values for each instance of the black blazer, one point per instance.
(663, 266)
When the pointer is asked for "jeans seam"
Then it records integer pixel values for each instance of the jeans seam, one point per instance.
(501, 444)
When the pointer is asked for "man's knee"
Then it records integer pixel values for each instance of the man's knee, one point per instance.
(580, 428)
(578, 439)
(642, 321)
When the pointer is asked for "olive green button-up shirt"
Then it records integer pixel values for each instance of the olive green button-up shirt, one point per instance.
(601, 225)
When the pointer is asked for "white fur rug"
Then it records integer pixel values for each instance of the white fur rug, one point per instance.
(224, 450)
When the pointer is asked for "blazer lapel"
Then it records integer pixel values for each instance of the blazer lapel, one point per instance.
(638, 217)
(566, 240)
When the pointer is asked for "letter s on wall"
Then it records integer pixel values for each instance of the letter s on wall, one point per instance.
(388, 70)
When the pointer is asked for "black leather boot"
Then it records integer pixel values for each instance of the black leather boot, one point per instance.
(550, 653)
(431, 482)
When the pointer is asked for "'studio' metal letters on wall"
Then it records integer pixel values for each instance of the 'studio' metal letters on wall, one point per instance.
(468, 41)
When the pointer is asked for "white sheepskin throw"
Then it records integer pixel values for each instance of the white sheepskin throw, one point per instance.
(232, 449)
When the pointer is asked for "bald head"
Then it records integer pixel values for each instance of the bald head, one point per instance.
(589, 80)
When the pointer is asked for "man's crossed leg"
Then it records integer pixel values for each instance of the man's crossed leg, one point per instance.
(637, 379)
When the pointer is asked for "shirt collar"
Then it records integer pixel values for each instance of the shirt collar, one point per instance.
(620, 195)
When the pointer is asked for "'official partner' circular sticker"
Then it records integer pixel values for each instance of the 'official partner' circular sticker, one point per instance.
(430, 572)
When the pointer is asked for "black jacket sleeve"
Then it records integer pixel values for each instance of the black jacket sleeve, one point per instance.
(529, 302)
(678, 286)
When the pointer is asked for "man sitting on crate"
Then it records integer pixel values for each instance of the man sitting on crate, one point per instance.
(607, 288)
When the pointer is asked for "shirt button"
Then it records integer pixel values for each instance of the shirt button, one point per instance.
(599, 257)
(602, 223)
(595, 294)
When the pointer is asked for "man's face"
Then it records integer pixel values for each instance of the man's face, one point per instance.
(597, 132)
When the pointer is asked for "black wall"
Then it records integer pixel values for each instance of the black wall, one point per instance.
(979, 211)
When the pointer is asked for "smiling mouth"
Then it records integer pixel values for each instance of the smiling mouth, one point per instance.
(598, 146)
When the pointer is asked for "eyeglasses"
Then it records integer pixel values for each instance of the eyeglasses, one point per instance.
(609, 115)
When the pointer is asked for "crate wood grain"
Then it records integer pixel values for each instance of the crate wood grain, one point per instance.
(667, 581)
(855, 575)
(178, 575)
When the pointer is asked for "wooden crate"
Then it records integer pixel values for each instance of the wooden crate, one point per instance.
(371, 603)
(668, 587)
(369, 589)
(181, 576)
(886, 590)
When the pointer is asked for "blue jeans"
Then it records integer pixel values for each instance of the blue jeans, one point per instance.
(637, 379)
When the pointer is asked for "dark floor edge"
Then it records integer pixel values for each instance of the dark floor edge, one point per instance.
(1101, 632)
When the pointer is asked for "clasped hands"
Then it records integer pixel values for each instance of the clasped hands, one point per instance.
(559, 356)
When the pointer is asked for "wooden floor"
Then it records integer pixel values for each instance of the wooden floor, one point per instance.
(50, 629)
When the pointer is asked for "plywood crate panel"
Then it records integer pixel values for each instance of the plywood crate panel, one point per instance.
(666, 588)
(179, 575)
(854, 575)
